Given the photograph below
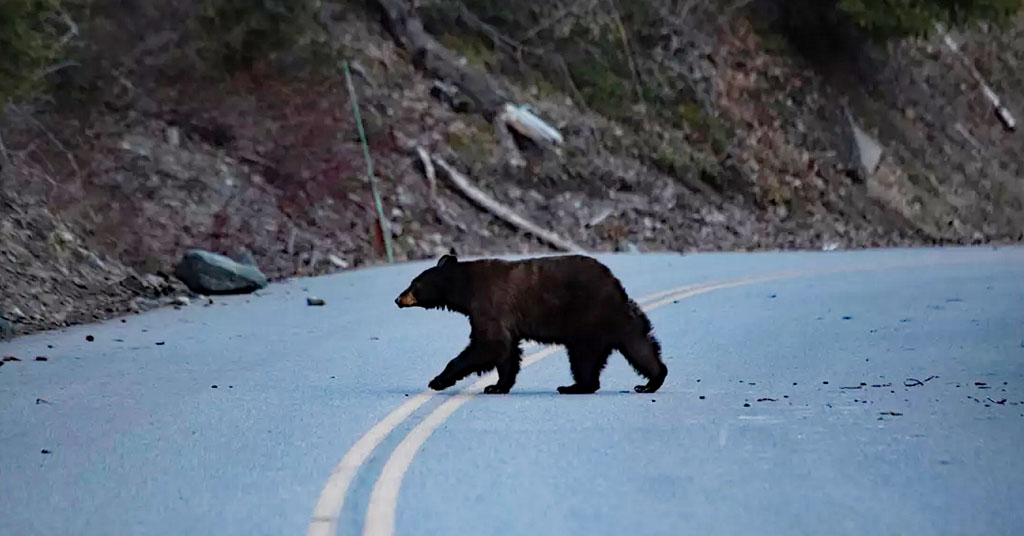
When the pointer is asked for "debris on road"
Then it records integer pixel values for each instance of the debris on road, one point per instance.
(44, 451)
(90, 338)
(11, 358)
(315, 302)
(41, 358)
(766, 399)
(914, 382)
(43, 401)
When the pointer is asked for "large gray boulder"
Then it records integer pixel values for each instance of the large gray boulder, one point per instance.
(209, 273)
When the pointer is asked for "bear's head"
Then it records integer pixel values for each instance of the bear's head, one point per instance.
(432, 288)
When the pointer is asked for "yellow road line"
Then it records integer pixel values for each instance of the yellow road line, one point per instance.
(332, 497)
(380, 514)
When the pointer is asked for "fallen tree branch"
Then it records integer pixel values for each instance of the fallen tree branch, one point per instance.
(441, 210)
(56, 67)
(628, 51)
(563, 67)
(477, 195)
(1002, 112)
(428, 169)
(72, 28)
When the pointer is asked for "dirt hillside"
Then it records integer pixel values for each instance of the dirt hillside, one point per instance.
(694, 129)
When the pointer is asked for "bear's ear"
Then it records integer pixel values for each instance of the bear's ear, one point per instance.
(446, 260)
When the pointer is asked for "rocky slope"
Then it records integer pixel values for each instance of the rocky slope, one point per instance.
(716, 136)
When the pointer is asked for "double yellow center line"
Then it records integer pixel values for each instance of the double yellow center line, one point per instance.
(380, 513)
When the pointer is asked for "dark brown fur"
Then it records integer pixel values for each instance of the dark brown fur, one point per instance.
(570, 300)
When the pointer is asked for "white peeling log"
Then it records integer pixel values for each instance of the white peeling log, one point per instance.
(494, 207)
(1004, 115)
(529, 125)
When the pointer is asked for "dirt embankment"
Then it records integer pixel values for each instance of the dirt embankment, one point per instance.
(716, 136)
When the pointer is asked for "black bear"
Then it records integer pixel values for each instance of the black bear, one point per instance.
(571, 300)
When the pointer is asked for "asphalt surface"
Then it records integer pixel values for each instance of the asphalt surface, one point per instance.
(918, 429)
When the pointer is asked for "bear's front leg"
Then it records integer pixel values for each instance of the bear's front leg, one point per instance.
(472, 359)
(440, 383)
(508, 369)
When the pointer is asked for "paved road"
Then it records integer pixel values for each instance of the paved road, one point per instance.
(140, 442)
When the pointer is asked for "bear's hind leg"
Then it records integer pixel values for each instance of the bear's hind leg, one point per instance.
(644, 354)
(586, 362)
(508, 369)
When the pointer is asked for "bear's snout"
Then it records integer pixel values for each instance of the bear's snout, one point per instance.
(406, 299)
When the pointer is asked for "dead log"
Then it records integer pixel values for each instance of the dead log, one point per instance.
(1001, 111)
(429, 55)
(488, 203)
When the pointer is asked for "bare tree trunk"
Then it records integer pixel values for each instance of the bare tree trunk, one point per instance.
(407, 30)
